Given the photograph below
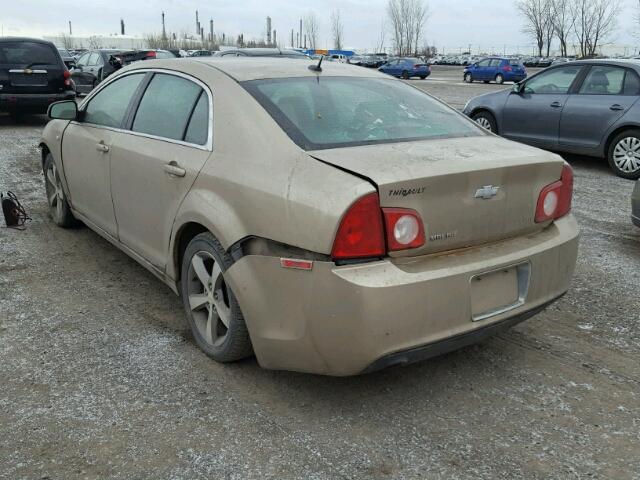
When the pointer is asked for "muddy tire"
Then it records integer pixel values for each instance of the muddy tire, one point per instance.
(212, 310)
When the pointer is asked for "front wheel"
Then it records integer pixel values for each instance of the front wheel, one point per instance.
(499, 79)
(58, 205)
(624, 154)
(213, 312)
(468, 78)
(486, 121)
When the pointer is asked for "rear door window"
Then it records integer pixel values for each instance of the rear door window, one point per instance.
(166, 106)
(28, 53)
(603, 81)
(108, 106)
(495, 62)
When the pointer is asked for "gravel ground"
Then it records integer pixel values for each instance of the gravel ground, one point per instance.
(99, 377)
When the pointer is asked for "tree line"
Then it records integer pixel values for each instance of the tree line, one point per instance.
(587, 23)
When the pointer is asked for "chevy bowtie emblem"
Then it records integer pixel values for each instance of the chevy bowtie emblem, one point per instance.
(28, 71)
(486, 192)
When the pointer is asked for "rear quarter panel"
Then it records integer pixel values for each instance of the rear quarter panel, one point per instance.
(259, 183)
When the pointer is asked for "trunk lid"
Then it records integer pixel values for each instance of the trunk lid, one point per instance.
(468, 191)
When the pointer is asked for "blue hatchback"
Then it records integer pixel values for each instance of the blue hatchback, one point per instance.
(496, 69)
(406, 68)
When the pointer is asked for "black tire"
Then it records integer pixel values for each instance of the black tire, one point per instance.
(236, 343)
(56, 198)
(616, 163)
(405, 75)
(468, 77)
(499, 79)
(485, 81)
(485, 120)
(422, 77)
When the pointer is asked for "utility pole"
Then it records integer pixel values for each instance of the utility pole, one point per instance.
(70, 31)
(292, 44)
(164, 31)
(300, 36)
(275, 39)
(121, 26)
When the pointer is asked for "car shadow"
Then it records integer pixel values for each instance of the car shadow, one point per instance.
(592, 164)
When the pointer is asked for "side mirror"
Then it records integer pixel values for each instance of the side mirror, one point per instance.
(63, 110)
(517, 88)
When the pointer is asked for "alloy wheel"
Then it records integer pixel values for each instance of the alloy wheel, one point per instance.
(208, 298)
(55, 195)
(484, 123)
(626, 154)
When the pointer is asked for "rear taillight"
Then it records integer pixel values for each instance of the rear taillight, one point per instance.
(360, 234)
(507, 68)
(555, 199)
(150, 55)
(404, 229)
(66, 74)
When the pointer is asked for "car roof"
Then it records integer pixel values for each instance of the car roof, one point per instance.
(25, 39)
(623, 62)
(243, 69)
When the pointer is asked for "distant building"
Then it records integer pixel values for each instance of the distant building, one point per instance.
(100, 41)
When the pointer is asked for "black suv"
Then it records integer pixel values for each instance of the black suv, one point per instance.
(32, 76)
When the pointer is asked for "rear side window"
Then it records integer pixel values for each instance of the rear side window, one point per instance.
(198, 129)
(515, 63)
(28, 53)
(166, 106)
(108, 106)
(495, 62)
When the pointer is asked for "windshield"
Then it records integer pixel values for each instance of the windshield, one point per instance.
(333, 112)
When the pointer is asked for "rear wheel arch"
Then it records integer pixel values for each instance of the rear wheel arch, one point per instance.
(605, 148)
(184, 235)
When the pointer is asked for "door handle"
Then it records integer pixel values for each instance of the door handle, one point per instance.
(616, 107)
(174, 170)
(101, 147)
(556, 105)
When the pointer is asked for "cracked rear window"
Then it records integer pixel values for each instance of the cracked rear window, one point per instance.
(332, 112)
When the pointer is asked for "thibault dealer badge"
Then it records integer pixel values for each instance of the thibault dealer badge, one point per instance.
(486, 192)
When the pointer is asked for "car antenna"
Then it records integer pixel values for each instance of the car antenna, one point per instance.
(317, 68)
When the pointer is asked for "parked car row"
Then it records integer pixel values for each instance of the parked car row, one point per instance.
(586, 107)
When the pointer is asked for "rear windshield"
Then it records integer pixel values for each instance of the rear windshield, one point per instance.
(27, 53)
(331, 112)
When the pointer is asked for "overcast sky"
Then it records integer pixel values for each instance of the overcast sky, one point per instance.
(453, 24)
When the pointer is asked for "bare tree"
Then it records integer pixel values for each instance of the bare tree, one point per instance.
(337, 29)
(535, 13)
(66, 41)
(594, 21)
(548, 28)
(94, 42)
(407, 19)
(312, 27)
(562, 20)
(380, 44)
